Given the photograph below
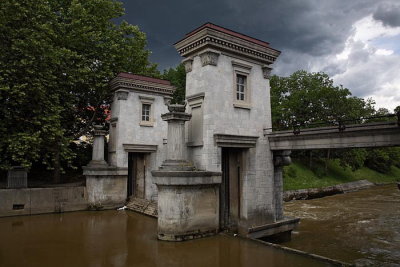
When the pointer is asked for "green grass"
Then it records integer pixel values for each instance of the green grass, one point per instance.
(299, 176)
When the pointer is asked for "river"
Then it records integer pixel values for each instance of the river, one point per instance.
(124, 238)
(361, 227)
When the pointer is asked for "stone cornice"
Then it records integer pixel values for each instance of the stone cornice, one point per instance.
(229, 140)
(143, 148)
(209, 38)
(141, 86)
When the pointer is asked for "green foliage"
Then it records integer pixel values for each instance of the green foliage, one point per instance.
(353, 158)
(291, 171)
(313, 98)
(56, 60)
(335, 174)
(382, 159)
(177, 77)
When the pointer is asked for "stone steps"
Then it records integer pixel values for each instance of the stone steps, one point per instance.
(143, 206)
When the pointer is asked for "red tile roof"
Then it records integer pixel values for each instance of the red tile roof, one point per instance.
(143, 78)
(227, 31)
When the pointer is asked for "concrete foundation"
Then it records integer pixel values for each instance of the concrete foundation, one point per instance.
(188, 205)
(29, 201)
(106, 186)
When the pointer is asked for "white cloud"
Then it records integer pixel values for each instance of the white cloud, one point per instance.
(370, 71)
(365, 66)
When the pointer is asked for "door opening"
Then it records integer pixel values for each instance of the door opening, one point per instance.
(136, 175)
(230, 196)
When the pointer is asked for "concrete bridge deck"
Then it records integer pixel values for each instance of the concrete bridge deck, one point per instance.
(380, 134)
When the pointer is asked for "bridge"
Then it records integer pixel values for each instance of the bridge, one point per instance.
(375, 134)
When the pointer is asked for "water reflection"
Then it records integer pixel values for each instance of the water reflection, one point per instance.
(361, 227)
(119, 238)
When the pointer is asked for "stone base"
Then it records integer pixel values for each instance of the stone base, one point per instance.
(188, 204)
(106, 186)
(283, 227)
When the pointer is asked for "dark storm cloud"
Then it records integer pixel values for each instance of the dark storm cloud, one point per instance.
(311, 27)
(389, 14)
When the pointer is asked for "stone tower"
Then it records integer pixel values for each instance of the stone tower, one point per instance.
(228, 96)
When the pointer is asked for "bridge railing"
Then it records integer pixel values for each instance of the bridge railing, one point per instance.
(298, 127)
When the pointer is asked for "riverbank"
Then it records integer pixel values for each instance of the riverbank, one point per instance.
(311, 193)
(299, 176)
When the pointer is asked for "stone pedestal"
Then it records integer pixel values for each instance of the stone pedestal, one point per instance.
(105, 185)
(188, 199)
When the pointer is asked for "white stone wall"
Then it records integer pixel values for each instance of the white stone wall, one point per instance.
(128, 130)
(221, 117)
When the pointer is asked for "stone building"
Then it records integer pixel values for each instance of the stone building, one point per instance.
(229, 112)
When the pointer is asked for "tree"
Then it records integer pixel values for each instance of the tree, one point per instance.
(56, 62)
(309, 98)
(177, 77)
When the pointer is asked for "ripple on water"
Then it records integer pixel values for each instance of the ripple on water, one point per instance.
(361, 227)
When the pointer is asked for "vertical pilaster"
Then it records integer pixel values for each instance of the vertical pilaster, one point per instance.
(281, 158)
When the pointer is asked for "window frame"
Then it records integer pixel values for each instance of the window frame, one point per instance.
(146, 101)
(244, 70)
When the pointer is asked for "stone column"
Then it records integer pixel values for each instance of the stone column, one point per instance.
(176, 146)
(188, 200)
(98, 147)
(281, 158)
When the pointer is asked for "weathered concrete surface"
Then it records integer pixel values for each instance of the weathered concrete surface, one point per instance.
(106, 186)
(326, 191)
(28, 201)
(187, 212)
(363, 135)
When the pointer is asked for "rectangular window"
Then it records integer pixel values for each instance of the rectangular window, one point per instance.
(146, 112)
(240, 87)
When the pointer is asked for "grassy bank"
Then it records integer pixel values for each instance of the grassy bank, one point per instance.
(299, 175)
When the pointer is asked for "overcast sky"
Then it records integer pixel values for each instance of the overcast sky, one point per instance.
(356, 42)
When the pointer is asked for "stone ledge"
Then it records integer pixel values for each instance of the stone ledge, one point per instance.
(285, 225)
(186, 178)
(104, 171)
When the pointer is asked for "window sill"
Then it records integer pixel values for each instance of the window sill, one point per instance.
(243, 105)
(146, 123)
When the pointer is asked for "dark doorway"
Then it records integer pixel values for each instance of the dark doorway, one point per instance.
(230, 197)
(136, 175)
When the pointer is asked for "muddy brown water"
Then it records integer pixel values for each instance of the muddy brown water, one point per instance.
(361, 227)
(123, 238)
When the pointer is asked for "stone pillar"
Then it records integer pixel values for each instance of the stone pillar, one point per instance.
(176, 118)
(98, 147)
(281, 158)
(105, 185)
(176, 147)
(188, 200)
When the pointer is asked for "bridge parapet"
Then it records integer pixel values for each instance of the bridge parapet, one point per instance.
(377, 134)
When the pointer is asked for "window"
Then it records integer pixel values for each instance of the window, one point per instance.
(146, 112)
(240, 87)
